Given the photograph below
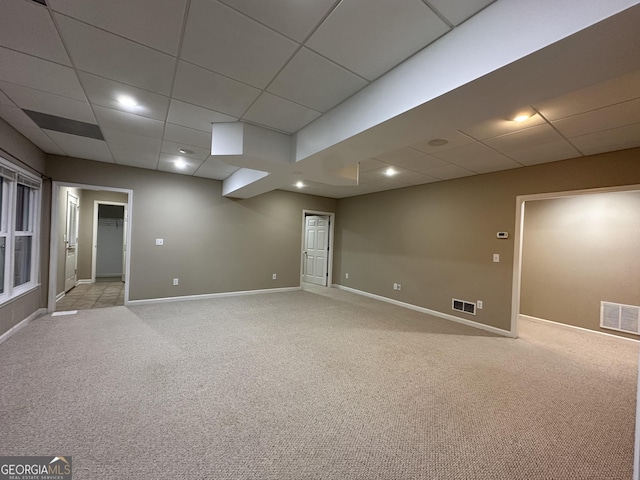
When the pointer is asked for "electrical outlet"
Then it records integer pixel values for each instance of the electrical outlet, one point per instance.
(346, 275)
(274, 276)
(175, 282)
(159, 241)
(395, 286)
(479, 304)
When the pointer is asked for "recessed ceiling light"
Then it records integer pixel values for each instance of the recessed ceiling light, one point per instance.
(522, 117)
(299, 184)
(437, 142)
(180, 164)
(390, 172)
(127, 101)
(185, 151)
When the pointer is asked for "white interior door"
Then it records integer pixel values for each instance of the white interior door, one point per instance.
(316, 249)
(124, 244)
(71, 243)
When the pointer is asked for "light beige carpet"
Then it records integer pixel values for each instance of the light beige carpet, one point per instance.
(318, 384)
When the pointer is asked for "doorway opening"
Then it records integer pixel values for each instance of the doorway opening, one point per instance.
(316, 264)
(89, 254)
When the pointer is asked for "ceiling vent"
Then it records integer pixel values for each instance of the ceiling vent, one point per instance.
(620, 317)
(65, 125)
(463, 306)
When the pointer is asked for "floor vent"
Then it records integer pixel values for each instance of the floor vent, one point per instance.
(623, 318)
(462, 306)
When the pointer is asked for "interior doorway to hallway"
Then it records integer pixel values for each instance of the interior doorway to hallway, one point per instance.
(317, 251)
(100, 246)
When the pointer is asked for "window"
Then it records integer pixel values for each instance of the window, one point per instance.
(19, 229)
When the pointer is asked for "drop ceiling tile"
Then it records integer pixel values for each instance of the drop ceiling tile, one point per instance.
(457, 11)
(493, 163)
(119, 59)
(455, 139)
(123, 152)
(48, 103)
(215, 169)
(396, 156)
(421, 164)
(544, 153)
(315, 82)
(39, 74)
(28, 28)
(4, 100)
(618, 90)
(615, 116)
(500, 126)
(131, 19)
(448, 172)
(292, 18)
(528, 137)
(131, 140)
(188, 136)
(371, 164)
(23, 124)
(609, 140)
(225, 41)
(470, 151)
(82, 147)
(370, 37)
(168, 164)
(192, 116)
(281, 114)
(104, 92)
(210, 90)
(172, 148)
(127, 122)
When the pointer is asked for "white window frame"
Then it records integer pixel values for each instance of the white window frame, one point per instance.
(11, 175)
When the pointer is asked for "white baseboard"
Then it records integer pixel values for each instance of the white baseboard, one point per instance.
(573, 327)
(435, 313)
(206, 296)
(84, 281)
(5, 336)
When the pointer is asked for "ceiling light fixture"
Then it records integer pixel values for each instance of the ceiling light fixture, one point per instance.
(390, 172)
(180, 164)
(299, 184)
(127, 101)
(521, 118)
(437, 142)
(185, 151)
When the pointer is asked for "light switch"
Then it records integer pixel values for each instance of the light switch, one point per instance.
(159, 241)
(496, 257)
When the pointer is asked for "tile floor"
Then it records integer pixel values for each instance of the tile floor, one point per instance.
(109, 293)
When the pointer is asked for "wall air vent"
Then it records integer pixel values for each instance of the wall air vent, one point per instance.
(620, 317)
(65, 125)
(462, 306)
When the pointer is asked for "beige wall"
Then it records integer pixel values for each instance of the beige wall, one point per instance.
(211, 243)
(20, 151)
(578, 251)
(437, 240)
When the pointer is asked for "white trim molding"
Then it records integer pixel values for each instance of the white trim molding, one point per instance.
(5, 336)
(435, 313)
(573, 327)
(206, 296)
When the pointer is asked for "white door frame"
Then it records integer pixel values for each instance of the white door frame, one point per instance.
(518, 238)
(53, 248)
(332, 222)
(94, 238)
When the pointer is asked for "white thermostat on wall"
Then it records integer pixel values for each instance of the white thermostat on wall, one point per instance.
(503, 235)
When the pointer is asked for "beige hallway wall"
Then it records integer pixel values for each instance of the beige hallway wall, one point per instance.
(437, 240)
(578, 251)
(212, 244)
